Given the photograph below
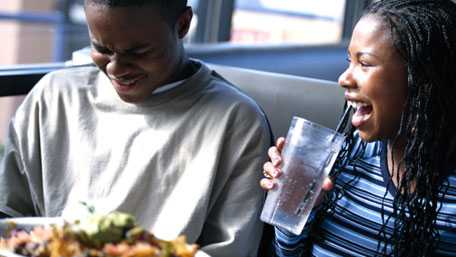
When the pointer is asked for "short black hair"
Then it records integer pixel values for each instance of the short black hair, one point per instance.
(169, 9)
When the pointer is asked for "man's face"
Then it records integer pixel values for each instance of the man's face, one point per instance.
(135, 47)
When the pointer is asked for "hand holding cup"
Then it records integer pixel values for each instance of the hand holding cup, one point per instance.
(271, 169)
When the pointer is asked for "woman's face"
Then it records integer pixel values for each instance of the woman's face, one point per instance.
(375, 81)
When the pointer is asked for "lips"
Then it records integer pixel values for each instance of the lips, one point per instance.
(125, 85)
(363, 111)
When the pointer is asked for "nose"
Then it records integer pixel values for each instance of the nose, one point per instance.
(118, 66)
(346, 78)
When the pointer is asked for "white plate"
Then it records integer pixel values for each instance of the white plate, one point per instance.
(4, 253)
(198, 254)
(27, 223)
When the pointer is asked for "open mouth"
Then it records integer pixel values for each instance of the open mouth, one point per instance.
(363, 112)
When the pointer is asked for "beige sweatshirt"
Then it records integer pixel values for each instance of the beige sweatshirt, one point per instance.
(186, 161)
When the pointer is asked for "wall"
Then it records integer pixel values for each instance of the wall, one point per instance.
(23, 43)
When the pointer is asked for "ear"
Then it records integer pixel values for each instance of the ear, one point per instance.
(183, 22)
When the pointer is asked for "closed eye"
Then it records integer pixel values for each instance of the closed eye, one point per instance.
(102, 50)
(365, 64)
(140, 51)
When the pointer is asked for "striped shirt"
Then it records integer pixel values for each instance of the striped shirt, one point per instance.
(354, 227)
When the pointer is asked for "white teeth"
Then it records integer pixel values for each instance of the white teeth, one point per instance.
(128, 83)
(356, 105)
(124, 82)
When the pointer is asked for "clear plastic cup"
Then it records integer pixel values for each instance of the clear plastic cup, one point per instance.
(308, 156)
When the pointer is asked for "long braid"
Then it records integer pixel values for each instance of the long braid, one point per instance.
(423, 32)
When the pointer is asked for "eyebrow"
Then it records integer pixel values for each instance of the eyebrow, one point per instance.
(129, 50)
(96, 45)
(358, 54)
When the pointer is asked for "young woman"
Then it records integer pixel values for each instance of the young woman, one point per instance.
(393, 189)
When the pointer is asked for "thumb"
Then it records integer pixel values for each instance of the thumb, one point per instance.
(327, 185)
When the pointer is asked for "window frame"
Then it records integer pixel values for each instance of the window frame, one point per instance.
(214, 28)
(19, 79)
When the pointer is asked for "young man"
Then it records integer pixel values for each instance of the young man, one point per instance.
(149, 132)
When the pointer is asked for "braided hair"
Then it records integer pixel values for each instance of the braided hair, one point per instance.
(424, 34)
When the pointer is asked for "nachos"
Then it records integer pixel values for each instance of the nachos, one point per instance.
(112, 235)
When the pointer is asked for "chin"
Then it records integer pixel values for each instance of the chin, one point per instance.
(130, 99)
(366, 136)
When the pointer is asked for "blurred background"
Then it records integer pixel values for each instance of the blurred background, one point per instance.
(38, 32)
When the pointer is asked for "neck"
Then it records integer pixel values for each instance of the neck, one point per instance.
(395, 154)
(183, 70)
(186, 69)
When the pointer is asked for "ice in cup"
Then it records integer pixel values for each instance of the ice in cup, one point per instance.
(308, 156)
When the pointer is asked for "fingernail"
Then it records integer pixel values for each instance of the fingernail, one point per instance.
(270, 184)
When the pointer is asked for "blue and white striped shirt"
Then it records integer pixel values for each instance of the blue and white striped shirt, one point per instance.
(353, 229)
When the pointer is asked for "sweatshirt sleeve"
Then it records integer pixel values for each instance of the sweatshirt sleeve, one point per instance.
(15, 193)
(233, 227)
(20, 167)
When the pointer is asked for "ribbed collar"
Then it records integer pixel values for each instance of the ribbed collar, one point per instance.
(105, 95)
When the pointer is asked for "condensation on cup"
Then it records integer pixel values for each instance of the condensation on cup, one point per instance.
(308, 156)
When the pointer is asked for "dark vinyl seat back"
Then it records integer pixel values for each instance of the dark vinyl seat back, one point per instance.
(284, 96)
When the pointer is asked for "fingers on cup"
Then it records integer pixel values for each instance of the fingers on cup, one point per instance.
(275, 156)
(266, 184)
(327, 184)
(280, 143)
(325, 188)
(270, 171)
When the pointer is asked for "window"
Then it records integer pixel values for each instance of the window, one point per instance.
(287, 21)
(42, 32)
(49, 31)
(37, 32)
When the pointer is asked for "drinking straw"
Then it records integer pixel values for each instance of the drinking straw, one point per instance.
(343, 119)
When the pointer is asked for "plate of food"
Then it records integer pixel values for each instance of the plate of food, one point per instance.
(115, 235)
